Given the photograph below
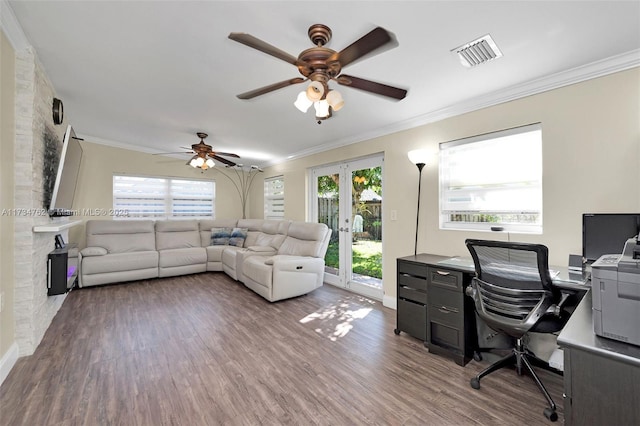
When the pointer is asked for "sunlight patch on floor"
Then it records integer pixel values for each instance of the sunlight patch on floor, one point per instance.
(335, 321)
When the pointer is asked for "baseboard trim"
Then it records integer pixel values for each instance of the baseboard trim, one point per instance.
(7, 361)
(390, 302)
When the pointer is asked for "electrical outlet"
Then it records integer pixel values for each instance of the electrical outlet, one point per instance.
(394, 214)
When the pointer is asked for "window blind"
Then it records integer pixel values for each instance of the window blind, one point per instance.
(150, 197)
(274, 198)
(493, 180)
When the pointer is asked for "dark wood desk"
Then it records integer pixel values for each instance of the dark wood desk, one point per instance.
(433, 307)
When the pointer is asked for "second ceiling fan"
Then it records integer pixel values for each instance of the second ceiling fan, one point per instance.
(321, 64)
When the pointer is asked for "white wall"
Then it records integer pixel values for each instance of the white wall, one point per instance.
(7, 140)
(101, 162)
(591, 163)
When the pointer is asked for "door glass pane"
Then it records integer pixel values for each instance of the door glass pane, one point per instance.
(329, 214)
(366, 222)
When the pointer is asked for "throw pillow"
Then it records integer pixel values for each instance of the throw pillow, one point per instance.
(238, 236)
(220, 236)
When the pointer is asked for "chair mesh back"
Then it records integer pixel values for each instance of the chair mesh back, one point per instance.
(512, 284)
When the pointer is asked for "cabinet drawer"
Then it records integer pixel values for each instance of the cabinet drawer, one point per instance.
(446, 336)
(446, 278)
(412, 319)
(412, 269)
(413, 282)
(446, 299)
(413, 295)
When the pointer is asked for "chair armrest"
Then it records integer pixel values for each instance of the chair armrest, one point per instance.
(93, 251)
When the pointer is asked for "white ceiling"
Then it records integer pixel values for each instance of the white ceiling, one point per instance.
(150, 74)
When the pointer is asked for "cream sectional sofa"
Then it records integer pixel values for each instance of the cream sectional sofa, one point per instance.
(278, 259)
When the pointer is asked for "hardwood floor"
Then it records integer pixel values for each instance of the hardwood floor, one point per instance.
(204, 350)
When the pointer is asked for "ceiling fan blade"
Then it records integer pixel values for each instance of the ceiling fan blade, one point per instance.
(270, 88)
(375, 39)
(177, 152)
(371, 86)
(222, 160)
(256, 43)
(227, 154)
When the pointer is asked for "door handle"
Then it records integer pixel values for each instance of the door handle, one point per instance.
(443, 273)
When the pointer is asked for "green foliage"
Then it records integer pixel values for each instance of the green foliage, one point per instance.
(367, 258)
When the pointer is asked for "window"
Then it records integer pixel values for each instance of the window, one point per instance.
(493, 180)
(274, 198)
(149, 197)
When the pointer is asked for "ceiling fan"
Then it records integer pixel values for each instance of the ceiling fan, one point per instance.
(321, 64)
(203, 154)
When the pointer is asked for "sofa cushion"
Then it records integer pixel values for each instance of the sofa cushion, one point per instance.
(238, 236)
(269, 240)
(305, 239)
(121, 236)
(214, 253)
(174, 234)
(254, 227)
(118, 262)
(183, 257)
(258, 269)
(220, 236)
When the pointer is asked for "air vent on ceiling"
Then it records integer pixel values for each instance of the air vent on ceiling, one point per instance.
(477, 51)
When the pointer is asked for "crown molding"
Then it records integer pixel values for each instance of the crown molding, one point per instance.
(117, 144)
(590, 71)
(12, 28)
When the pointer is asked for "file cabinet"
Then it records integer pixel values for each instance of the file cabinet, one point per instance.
(433, 307)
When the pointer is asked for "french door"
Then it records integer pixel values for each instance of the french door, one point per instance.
(347, 197)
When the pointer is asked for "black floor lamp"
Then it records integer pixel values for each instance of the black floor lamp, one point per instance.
(419, 158)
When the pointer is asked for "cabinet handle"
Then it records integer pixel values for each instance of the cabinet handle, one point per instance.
(446, 310)
(443, 273)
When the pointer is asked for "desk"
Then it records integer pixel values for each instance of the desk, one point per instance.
(432, 305)
(601, 376)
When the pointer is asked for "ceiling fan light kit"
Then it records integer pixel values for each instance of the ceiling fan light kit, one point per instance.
(204, 155)
(320, 64)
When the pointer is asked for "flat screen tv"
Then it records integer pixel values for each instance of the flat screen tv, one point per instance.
(606, 233)
(64, 187)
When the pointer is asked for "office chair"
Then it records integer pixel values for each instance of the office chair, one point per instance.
(513, 294)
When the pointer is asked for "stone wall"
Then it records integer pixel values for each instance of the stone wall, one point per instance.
(33, 309)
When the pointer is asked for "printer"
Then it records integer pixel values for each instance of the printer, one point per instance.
(615, 285)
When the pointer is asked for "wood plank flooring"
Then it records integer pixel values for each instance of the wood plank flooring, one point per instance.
(204, 350)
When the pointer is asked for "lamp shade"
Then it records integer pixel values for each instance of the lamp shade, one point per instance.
(315, 91)
(419, 156)
(322, 109)
(199, 161)
(302, 102)
(210, 162)
(193, 162)
(334, 98)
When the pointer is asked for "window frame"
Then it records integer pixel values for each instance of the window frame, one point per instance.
(526, 184)
(168, 198)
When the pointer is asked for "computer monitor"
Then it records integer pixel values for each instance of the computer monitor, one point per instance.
(606, 233)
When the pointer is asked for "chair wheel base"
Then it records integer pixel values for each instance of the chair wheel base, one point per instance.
(396, 331)
(477, 356)
(551, 414)
(475, 383)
